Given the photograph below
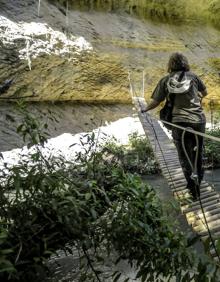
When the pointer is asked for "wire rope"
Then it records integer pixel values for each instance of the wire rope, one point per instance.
(163, 156)
(196, 187)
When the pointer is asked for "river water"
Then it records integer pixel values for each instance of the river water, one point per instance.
(71, 118)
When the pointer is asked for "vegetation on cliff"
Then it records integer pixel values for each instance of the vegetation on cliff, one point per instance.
(212, 149)
(162, 10)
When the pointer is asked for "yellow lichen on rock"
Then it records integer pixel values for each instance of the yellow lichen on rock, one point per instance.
(86, 78)
(86, 56)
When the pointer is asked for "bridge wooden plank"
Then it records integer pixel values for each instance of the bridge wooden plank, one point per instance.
(208, 214)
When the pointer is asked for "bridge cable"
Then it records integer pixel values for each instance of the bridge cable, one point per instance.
(213, 138)
(194, 177)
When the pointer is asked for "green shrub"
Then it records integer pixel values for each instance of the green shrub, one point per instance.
(136, 157)
(212, 149)
(5, 265)
(93, 205)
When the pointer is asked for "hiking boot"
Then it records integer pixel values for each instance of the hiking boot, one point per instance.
(194, 191)
(194, 196)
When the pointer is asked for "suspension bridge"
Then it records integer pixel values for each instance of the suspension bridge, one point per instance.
(203, 215)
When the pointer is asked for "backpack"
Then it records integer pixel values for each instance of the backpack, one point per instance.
(175, 85)
(166, 112)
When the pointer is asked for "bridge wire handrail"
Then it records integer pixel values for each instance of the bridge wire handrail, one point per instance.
(197, 185)
(200, 202)
(213, 138)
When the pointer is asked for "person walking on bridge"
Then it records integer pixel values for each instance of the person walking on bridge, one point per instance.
(185, 90)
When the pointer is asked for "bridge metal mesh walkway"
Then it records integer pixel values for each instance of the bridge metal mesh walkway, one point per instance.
(167, 157)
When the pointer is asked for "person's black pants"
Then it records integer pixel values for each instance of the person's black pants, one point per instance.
(190, 145)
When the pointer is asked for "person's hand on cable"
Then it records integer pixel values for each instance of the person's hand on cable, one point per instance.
(153, 104)
(143, 111)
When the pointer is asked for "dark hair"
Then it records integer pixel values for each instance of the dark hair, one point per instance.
(178, 62)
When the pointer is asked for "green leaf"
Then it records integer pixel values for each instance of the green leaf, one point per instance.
(72, 145)
(118, 260)
(144, 276)
(10, 118)
(99, 259)
(94, 213)
(8, 269)
(6, 251)
(178, 277)
(218, 246)
(19, 128)
(186, 277)
(207, 245)
(117, 277)
(191, 241)
(88, 196)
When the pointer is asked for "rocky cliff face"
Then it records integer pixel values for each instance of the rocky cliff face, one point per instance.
(55, 53)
